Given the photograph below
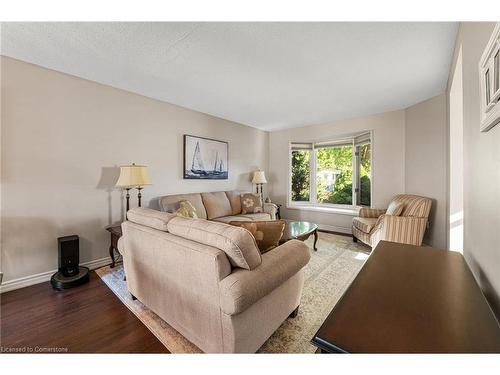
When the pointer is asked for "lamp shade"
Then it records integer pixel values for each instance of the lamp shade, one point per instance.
(259, 177)
(133, 175)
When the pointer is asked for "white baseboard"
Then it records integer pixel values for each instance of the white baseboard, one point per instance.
(334, 228)
(45, 276)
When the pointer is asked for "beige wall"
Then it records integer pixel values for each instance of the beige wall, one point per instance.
(388, 162)
(455, 107)
(481, 169)
(425, 162)
(62, 139)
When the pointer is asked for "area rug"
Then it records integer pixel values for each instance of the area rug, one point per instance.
(328, 274)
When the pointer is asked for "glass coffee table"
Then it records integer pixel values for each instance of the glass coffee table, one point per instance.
(299, 230)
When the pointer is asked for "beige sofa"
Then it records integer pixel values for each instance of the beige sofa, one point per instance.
(373, 225)
(224, 206)
(209, 281)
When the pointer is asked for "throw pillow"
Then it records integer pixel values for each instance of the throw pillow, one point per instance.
(251, 203)
(186, 209)
(267, 234)
(395, 208)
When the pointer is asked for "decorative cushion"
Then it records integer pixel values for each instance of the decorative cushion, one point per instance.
(186, 209)
(150, 218)
(364, 224)
(216, 204)
(267, 234)
(251, 203)
(395, 208)
(238, 244)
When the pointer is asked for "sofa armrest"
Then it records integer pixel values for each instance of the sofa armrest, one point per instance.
(371, 212)
(401, 229)
(242, 288)
(271, 209)
(121, 245)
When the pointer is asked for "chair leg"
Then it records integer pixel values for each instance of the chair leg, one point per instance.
(294, 313)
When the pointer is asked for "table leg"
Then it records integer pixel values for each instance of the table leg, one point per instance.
(112, 256)
(315, 240)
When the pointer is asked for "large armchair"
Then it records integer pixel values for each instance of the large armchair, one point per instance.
(405, 221)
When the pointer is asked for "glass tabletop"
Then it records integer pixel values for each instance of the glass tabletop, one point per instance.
(294, 229)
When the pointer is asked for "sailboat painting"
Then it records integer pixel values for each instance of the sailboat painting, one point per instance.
(205, 158)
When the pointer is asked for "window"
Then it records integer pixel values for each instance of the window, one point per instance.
(489, 73)
(336, 172)
(301, 172)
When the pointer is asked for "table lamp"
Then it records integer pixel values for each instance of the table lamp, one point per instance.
(133, 176)
(259, 179)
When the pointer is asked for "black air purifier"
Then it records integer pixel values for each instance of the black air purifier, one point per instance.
(70, 273)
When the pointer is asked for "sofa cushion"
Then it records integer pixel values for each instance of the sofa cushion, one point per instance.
(169, 201)
(267, 234)
(235, 201)
(216, 204)
(251, 203)
(171, 207)
(395, 208)
(263, 216)
(227, 219)
(364, 224)
(238, 243)
(150, 218)
(248, 217)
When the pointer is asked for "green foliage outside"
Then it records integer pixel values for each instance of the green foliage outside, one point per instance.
(339, 161)
(365, 174)
(300, 176)
(335, 159)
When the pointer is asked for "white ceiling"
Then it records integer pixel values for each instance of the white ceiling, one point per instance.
(266, 75)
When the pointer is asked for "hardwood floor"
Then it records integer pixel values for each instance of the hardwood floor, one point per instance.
(86, 319)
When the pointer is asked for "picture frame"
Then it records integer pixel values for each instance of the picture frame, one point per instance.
(205, 158)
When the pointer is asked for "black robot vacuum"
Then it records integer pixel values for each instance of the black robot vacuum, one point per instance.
(70, 273)
(61, 281)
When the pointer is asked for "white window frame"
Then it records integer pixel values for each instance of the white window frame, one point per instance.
(312, 204)
(490, 109)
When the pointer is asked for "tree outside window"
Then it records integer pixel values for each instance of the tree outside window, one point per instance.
(301, 176)
(338, 160)
(336, 168)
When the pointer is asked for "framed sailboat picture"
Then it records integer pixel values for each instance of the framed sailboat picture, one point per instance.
(205, 159)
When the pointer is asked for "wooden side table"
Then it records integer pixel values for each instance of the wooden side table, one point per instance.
(116, 233)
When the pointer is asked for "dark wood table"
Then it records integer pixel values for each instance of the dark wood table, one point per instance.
(116, 233)
(299, 230)
(410, 299)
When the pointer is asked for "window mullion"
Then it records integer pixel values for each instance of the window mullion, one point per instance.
(355, 170)
(312, 177)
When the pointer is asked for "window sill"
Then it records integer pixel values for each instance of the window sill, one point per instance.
(332, 210)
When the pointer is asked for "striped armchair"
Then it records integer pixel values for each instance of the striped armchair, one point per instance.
(406, 223)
